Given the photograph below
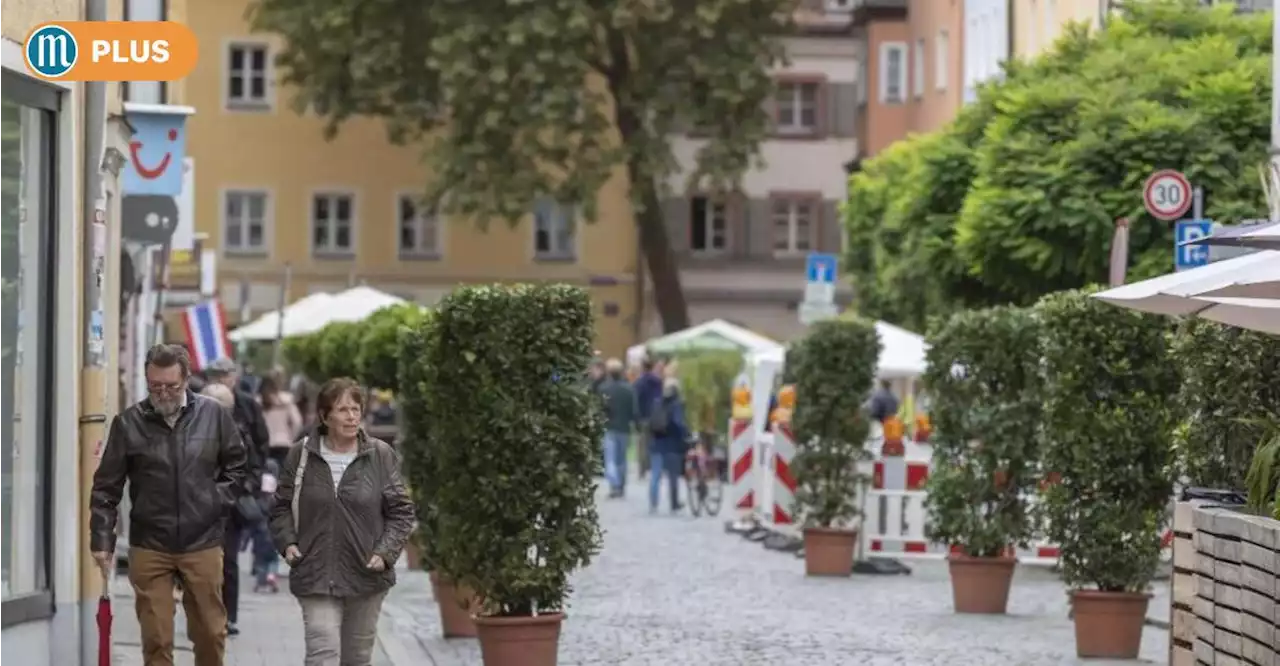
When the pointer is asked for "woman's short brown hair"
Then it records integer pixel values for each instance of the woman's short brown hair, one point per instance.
(332, 391)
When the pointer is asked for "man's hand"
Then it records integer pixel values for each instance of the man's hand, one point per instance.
(376, 563)
(103, 558)
(292, 555)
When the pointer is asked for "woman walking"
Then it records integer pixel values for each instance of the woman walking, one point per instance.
(341, 517)
(284, 421)
(667, 448)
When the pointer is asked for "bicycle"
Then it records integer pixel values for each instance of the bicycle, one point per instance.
(704, 470)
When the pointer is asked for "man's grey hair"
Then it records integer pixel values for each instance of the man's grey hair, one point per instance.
(167, 356)
(221, 368)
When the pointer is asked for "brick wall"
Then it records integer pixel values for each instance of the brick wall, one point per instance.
(1226, 588)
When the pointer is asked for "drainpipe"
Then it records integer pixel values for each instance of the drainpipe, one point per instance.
(93, 374)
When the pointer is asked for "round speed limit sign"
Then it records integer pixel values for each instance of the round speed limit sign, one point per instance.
(1167, 194)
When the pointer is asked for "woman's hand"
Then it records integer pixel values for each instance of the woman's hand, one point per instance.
(292, 555)
(376, 564)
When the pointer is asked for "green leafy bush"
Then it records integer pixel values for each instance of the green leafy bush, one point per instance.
(706, 381)
(984, 371)
(1231, 378)
(413, 343)
(513, 442)
(339, 345)
(1108, 422)
(833, 368)
(377, 361)
(302, 354)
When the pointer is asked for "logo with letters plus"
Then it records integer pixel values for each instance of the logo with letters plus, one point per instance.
(111, 51)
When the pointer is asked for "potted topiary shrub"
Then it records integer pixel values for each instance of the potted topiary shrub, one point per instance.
(984, 374)
(514, 442)
(1108, 422)
(456, 603)
(833, 368)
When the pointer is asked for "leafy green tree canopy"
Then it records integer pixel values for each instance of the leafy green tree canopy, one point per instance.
(1018, 197)
(514, 100)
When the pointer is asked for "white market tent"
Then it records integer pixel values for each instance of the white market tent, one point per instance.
(714, 334)
(355, 304)
(902, 353)
(267, 326)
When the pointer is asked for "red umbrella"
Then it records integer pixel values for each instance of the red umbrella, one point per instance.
(104, 622)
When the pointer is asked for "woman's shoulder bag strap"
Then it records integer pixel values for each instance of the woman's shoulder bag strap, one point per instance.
(298, 474)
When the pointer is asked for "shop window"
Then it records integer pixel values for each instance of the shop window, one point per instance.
(28, 219)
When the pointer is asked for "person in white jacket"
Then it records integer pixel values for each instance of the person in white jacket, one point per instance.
(284, 421)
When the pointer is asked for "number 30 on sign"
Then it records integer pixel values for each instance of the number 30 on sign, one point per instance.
(1167, 194)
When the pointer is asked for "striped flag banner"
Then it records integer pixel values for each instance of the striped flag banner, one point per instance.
(206, 326)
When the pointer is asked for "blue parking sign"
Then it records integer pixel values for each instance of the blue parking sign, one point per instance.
(1190, 256)
(820, 268)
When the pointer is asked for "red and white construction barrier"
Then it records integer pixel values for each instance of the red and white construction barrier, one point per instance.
(742, 468)
(780, 510)
(895, 520)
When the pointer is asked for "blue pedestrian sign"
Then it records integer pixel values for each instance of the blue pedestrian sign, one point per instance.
(1190, 256)
(820, 268)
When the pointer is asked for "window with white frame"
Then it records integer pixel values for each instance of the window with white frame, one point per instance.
(917, 70)
(942, 60)
(332, 224)
(893, 72)
(247, 72)
(796, 107)
(419, 228)
(708, 225)
(553, 229)
(244, 222)
(794, 223)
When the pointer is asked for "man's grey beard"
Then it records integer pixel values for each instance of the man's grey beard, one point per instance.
(166, 406)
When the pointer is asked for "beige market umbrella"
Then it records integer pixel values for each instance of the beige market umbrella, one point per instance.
(1256, 314)
(1176, 293)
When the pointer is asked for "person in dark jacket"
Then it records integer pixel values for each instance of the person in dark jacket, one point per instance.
(248, 414)
(883, 403)
(620, 418)
(648, 388)
(183, 459)
(667, 448)
(341, 518)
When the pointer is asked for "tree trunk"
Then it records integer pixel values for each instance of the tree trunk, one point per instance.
(668, 295)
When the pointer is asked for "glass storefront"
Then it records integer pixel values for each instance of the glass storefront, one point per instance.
(27, 261)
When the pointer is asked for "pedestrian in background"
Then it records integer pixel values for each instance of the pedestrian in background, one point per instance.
(281, 417)
(669, 443)
(248, 414)
(341, 518)
(620, 420)
(266, 561)
(648, 388)
(174, 449)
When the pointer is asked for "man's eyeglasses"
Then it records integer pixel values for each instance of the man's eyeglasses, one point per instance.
(164, 388)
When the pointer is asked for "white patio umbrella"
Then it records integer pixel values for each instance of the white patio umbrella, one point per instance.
(267, 326)
(355, 304)
(1260, 280)
(1175, 293)
(1256, 314)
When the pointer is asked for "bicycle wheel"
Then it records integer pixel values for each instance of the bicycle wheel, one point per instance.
(692, 497)
(714, 489)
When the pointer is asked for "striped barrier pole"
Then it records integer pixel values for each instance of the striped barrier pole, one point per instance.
(742, 472)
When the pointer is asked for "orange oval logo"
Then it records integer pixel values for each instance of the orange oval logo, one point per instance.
(111, 51)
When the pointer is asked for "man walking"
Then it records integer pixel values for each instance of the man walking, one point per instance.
(620, 416)
(248, 415)
(184, 462)
(648, 389)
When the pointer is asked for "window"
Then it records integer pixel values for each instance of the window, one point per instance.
(247, 76)
(332, 219)
(941, 60)
(1033, 28)
(917, 70)
(708, 226)
(147, 92)
(796, 107)
(794, 222)
(553, 230)
(244, 222)
(1050, 22)
(893, 72)
(419, 228)
(29, 272)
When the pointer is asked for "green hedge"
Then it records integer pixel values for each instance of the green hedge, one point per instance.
(984, 374)
(513, 441)
(706, 382)
(833, 368)
(378, 357)
(413, 344)
(1109, 386)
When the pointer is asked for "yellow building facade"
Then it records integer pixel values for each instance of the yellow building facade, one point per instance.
(1037, 24)
(271, 192)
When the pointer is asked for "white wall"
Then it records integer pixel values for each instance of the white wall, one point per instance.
(789, 165)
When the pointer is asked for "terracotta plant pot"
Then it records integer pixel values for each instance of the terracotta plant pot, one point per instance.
(520, 641)
(457, 604)
(1109, 624)
(411, 558)
(980, 584)
(828, 551)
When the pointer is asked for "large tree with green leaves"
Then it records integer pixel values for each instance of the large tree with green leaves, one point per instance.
(515, 99)
(1018, 197)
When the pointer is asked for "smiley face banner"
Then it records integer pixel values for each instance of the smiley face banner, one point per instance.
(156, 151)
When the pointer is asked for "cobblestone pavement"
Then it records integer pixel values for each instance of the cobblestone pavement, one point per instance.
(678, 591)
(270, 629)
